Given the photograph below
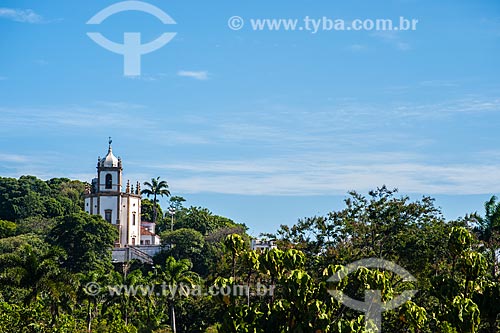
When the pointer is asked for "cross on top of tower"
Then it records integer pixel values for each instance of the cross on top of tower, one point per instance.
(110, 160)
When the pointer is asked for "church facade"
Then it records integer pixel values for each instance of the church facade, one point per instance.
(105, 197)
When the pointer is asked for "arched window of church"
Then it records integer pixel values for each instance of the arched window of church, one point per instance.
(109, 181)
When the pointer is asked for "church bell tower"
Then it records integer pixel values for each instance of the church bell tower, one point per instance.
(105, 198)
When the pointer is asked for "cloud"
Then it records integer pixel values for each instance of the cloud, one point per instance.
(325, 175)
(439, 84)
(198, 75)
(41, 62)
(3, 78)
(492, 25)
(467, 105)
(393, 38)
(13, 158)
(98, 115)
(403, 46)
(279, 149)
(21, 15)
(292, 175)
(39, 163)
(357, 47)
(120, 105)
(146, 77)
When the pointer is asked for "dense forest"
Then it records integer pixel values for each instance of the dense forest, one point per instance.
(57, 275)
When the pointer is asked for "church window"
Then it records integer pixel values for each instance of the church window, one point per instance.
(108, 215)
(109, 181)
(133, 218)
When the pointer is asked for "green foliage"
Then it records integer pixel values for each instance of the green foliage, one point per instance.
(50, 251)
(29, 196)
(185, 244)
(7, 229)
(36, 224)
(176, 202)
(452, 273)
(174, 273)
(202, 220)
(87, 241)
(156, 188)
(147, 211)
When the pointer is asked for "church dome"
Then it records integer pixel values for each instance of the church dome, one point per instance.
(110, 161)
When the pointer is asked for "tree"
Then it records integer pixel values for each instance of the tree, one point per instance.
(36, 224)
(487, 229)
(7, 229)
(16, 255)
(173, 274)
(176, 202)
(156, 188)
(87, 240)
(202, 220)
(235, 244)
(147, 212)
(30, 264)
(29, 196)
(378, 225)
(185, 244)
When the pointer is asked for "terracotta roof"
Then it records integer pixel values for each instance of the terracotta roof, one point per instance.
(146, 232)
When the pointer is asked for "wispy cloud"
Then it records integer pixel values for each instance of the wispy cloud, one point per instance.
(466, 105)
(292, 175)
(439, 83)
(41, 62)
(357, 47)
(3, 78)
(21, 15)
(393, 38)
(329, 150)
(198, 75)
(323, 175)
(100, 114)
(120, 105)
(403, 46)
(13, 158)
(491, 24)
(146, 77)
(43, 164)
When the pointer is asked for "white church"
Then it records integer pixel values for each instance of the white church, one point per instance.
(122, 209)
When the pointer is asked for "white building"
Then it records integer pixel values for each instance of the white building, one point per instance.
(262, 245)
(148, 234)
(105, 198)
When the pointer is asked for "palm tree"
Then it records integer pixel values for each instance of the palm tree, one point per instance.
(126, 299)
(487, 229)
(156, 188)
(176, 273)
(39, 272)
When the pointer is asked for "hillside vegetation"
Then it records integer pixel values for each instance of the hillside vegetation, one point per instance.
(56, 272)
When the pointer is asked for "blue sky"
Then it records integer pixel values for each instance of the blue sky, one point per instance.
(261, 126)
